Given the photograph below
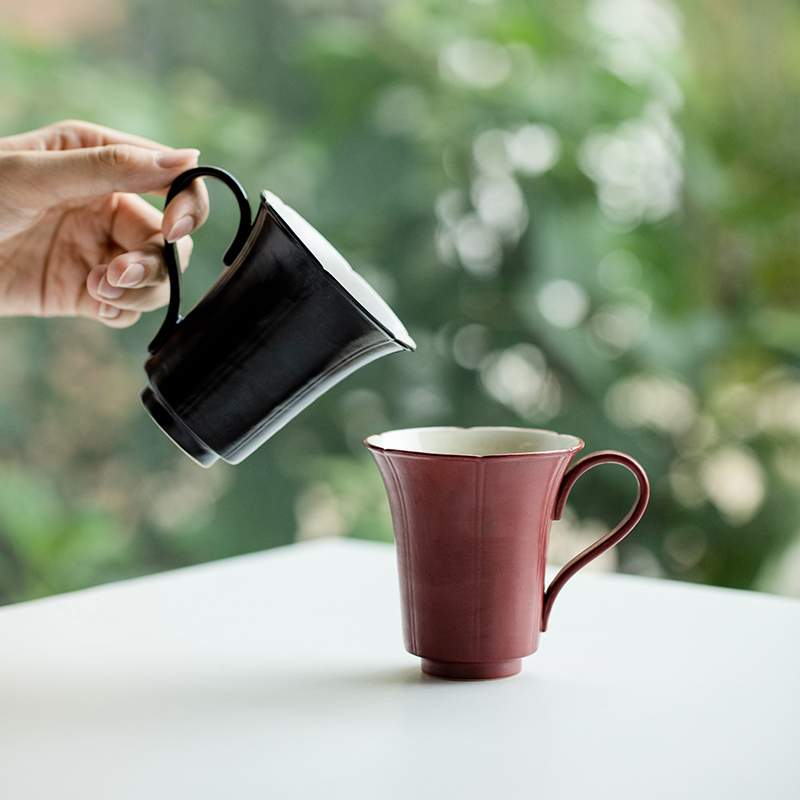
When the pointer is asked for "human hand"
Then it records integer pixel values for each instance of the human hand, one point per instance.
(75, 237)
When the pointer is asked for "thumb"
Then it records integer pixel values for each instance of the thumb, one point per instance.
(47, 177)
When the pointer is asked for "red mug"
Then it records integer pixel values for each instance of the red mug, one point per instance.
(471, 511)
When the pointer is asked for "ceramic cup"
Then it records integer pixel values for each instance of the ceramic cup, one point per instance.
(287, 319)
(472, 510)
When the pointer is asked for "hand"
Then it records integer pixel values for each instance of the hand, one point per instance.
(75, 237)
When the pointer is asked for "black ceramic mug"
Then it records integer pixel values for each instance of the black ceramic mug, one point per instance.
(287, 319)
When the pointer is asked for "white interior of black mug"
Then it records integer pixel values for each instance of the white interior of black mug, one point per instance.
(336, 265)
(482, 441)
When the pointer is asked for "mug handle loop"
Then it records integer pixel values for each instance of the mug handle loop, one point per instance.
(180, 183)
(610, 539)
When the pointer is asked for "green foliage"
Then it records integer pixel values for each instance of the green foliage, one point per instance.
(584, 212)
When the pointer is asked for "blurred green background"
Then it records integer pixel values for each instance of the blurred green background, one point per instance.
(586, 213)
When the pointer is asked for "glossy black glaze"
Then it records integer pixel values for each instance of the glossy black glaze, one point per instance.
(273, 334)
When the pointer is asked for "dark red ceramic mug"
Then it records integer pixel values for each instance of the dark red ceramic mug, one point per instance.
(286, 320)
(472, 510)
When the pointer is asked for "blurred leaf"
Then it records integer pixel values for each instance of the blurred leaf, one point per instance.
(650, 260)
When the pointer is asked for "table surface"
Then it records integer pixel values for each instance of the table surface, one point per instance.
(282, 675)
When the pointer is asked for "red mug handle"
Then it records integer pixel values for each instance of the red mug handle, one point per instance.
(607, 541)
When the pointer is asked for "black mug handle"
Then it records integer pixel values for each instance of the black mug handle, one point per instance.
(180, 183)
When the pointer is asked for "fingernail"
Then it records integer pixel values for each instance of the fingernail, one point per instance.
(109, 312)
(167, 159)
(182, 227)
(105, 289)
(132, 276)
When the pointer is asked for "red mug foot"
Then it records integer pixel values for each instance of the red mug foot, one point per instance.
(471, 671)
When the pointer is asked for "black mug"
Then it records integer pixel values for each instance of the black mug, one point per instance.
(287, 319)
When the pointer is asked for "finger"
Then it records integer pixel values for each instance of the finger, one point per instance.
(45, 178)
(116, 317)
(135, 222)
(70, 134)
(134, 270)
(186, 212)
(111, 316)
(145, 298)
(142, 267)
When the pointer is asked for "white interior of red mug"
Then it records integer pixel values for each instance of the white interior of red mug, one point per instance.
(481, 441)
(336, 265)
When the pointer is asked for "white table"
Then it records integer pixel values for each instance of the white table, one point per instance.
(282, 675)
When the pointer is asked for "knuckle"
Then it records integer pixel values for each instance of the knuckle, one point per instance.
(116, 156)
(65, 125)
(69, 133)
(155, 267)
